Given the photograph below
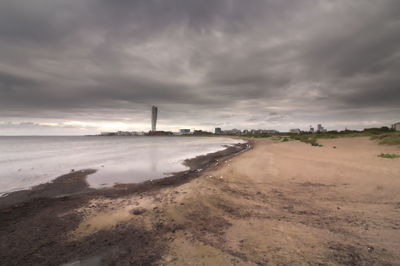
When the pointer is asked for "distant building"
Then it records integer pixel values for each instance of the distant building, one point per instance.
(311, 129)
(396, 126)
(232, 132)
(218, 130)
(321, 129)
(256, 131)
(122, 133)
(295, 131)
(160, 133)
(270, 131)
(154, 113)
(201, 132)
(262, 131)
(184, 131)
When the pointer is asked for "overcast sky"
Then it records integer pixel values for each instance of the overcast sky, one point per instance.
(85, 66)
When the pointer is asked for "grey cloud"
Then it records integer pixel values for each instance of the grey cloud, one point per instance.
(9, 81)
(202, 62)
(365, 37)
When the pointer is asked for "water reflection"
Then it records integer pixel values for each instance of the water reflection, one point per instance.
(29, 161)
(153, 157)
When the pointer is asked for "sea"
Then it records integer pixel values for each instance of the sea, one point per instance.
(29, 161)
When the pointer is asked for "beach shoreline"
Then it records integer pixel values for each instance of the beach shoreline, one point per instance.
(74, 183)
(71, 191)
(277, 203)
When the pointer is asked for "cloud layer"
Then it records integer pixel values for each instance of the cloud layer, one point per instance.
(229, 63)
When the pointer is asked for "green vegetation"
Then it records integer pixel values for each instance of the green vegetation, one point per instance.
(199, 135)
(389, 155)
(257, 135)
(384, 135)
(392, 138)
(309, 138)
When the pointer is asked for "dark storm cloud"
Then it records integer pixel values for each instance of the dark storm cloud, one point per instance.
(11, 81)
(230, 62)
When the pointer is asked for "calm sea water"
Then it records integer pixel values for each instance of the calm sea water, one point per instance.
(29, 161)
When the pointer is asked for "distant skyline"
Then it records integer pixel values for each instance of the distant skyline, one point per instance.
(73, 67)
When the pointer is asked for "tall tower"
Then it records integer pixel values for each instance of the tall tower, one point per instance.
(154, 111)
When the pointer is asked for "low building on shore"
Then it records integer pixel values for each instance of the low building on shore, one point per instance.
(256, 131)
(321, 129)
(184, 131)
(396, 126)
(201, 132)
(233, 132)
(122, 133)
(160, 133)
(270, 131)
(295, 131)
(261, 131)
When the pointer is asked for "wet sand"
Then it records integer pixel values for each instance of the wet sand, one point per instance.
(284, 203)
(36, 224)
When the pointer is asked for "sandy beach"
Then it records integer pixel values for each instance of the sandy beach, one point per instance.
(279, 203)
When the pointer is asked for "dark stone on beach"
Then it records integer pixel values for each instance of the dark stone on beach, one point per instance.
(138, 211)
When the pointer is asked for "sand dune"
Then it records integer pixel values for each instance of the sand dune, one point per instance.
(291, 203)
(285, 203)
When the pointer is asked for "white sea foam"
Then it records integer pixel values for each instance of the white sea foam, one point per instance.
(29, 161)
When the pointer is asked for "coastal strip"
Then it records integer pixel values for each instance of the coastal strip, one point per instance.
(49, 213)
(278, 203)
(74, 184)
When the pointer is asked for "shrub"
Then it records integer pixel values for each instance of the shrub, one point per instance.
(389, 155)
(312, 140)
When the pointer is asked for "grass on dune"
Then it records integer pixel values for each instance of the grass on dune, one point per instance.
(389, 155)
(310, 139)
(384, 136)
(388, 138)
